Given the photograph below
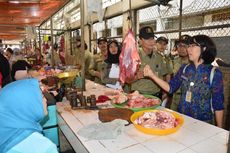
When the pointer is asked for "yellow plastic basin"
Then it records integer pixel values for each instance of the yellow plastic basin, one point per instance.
(70, 74)
(155, 131)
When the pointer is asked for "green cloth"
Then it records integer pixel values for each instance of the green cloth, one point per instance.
(101, 131)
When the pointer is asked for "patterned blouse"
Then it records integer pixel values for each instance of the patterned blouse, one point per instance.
(197, 82)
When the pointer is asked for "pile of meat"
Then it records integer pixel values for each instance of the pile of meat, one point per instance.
(119, 98)
(158, 119)
(135, 100)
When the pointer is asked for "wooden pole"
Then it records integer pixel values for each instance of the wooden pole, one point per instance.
(90, 37)
(180, 17)
(228, 143)
(82, 45)
(130, 16)
(39, 38)
(52, 41)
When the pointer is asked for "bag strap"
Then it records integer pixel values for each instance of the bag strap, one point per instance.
(212, 74)
(185, 68)
(211, 79)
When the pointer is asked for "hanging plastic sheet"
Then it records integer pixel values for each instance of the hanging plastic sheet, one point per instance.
(95, 7)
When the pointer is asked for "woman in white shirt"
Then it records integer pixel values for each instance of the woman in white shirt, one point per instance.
(110, 67)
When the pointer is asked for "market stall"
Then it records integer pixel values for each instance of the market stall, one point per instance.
(193, 137)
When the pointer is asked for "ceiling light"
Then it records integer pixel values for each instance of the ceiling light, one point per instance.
(23, 1)
(34, 13)
(15, 2)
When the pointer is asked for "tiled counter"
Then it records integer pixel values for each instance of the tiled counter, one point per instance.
(193, 137)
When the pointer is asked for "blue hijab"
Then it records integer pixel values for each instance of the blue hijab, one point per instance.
(21, 110)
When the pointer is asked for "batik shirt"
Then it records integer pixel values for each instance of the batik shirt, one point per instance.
(197, 81)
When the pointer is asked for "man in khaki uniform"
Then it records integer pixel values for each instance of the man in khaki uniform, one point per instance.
(164, 61)
(165, 64)
(177, 61)
(88, 59)
(98, 59)
(147, 54)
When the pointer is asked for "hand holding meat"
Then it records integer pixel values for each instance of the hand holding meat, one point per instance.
(148, 72)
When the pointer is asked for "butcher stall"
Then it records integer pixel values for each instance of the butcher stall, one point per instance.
(193, 136)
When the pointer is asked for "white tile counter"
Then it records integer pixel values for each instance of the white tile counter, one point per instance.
(193, 137)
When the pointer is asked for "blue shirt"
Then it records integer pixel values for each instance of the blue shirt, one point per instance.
(199, 106)
(35, 143)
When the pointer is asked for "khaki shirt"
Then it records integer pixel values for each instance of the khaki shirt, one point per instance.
(96, 66)
(88, 60)
(146, 85)
(177, 62)
(164, 63)
(106, 67)
(57, 60)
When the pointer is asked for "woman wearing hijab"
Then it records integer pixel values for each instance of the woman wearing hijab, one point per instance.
(201, 95)
(20, 70)
(110, 66)
(5, 70)
(20, 114)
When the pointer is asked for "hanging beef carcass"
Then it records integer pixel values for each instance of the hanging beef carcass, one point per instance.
(62, 49)
(129, 59)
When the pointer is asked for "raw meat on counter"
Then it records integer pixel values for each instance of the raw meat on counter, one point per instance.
(102, 99)
(142, 102)
(119, 98)
(135, 100)
(158, 119)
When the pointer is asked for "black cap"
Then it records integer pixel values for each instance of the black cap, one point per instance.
(146, 32)
(101, 39)
(207, 46)
(163, 39)
(202, 41)
(185, 39)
